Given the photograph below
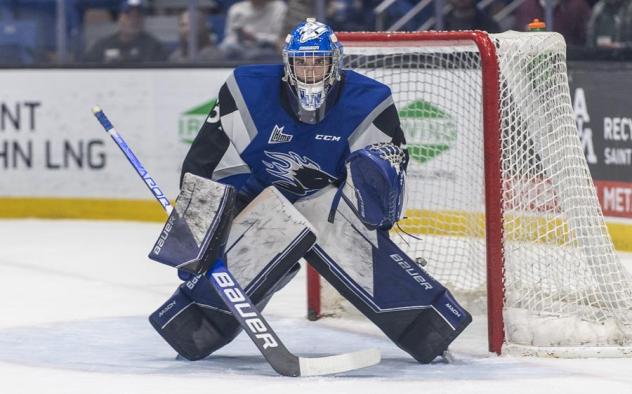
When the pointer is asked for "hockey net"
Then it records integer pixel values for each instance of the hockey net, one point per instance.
(499, 191)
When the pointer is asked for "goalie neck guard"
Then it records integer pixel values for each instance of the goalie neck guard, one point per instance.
(312, 59)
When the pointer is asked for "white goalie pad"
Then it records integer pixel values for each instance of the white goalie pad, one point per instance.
(375, 276)
(341, 243)
(201, 228)
(265, 233)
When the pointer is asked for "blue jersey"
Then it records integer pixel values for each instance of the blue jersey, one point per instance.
(252, 139)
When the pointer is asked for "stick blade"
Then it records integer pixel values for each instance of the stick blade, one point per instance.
(339, 363)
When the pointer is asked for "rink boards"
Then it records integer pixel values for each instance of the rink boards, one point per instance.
(57, 162)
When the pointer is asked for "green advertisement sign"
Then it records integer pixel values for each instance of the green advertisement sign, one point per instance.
(190, 121)
(429, 130)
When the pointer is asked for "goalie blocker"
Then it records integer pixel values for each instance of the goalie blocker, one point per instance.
(195, 233)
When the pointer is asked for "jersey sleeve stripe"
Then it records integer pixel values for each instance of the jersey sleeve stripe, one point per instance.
(230, 164)
(250, 130)
(236, 130)
(358, 136)
(226, 172)
(371, 135)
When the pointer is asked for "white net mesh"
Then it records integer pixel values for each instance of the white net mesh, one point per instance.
(563, 283)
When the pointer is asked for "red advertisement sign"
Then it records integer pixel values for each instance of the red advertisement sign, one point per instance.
(615, 198)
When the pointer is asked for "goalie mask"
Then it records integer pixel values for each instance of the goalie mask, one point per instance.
(312, 58)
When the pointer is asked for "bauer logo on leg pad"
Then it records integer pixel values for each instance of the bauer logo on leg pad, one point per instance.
(412, 271)
(234, 295)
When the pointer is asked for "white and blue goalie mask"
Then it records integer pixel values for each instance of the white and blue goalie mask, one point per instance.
(312, 58)
(374, 188)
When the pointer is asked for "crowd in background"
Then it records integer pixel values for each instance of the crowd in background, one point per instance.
(138, 31)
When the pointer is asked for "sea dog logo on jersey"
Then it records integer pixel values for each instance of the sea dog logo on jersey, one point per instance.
(278, 136)
(311, 30)
(298, 175)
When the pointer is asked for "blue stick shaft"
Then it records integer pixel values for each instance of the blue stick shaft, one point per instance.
(127, 151)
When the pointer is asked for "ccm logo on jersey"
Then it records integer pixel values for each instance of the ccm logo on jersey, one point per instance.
(323, 137)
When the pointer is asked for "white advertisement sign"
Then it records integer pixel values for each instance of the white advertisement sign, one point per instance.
(51, 145)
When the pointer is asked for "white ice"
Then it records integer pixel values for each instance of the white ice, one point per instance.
(75, 296)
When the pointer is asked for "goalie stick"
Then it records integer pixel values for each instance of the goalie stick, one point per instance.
(243, 309)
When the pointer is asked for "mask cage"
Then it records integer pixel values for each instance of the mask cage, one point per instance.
(316, 90)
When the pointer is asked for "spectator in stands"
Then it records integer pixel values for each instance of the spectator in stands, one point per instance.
(253, 28)
(604, 26)
(464, 15)
(569, 17)
(131, 43)
(206, 49)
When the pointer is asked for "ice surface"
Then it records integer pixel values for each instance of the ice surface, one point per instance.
(75, 296)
